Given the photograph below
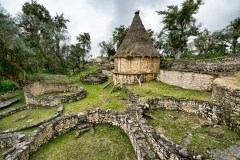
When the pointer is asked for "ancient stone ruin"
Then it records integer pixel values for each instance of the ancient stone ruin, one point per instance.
(94, 78)
(33, 90)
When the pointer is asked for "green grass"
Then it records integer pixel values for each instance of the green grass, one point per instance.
(35, 115)
(155, 89)
(12, 94)
(96, 96)
(2, 150)
(203, 137)
(108, 142)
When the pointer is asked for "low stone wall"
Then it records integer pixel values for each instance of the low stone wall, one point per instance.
(165, 148)
(107, 70)
(215, 113)
(93, 78)
(43, 134)
(141, 135)
(210, 111)
(10, 112)
(188, 80)
(226, 94)
(130, 127)
(61, 125)
(227, 64)
(35, 89)
(11, 139)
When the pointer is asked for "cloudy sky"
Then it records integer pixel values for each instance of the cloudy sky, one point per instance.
(100, 17)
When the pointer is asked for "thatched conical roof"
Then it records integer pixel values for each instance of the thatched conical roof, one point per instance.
(137, 43)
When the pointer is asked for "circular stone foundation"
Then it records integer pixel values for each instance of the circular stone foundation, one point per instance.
(93, 78)
(33, 90)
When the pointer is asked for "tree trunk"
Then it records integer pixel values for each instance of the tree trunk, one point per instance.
(18, 67)
(234, 43)
(178, 54)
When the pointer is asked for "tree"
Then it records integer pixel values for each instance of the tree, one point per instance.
(107, 48)
(80, 52)
(205, 42)
(46, 34)
(179, 25)
(84, 45)
(234, 33)
(119, 34)
(14, 54)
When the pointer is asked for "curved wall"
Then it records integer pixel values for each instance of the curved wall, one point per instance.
(37, 88)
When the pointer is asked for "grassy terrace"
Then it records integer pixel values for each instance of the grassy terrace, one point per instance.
(34, 115)
(155, 89)
(202, 137)
(96, 96)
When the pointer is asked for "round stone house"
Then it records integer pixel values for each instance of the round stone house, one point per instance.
(136, 59)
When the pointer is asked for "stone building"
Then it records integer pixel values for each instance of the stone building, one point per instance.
(136, 59)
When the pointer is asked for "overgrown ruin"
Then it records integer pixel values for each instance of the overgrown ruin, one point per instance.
(136, 63)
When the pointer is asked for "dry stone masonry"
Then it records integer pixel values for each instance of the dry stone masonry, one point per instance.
(33, 90)
(11, 139)
(189, 80)
(94, 78)
(14, 110)
(219, 65)
(226, 94)
(141, 135)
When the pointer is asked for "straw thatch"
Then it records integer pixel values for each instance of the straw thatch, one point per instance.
(137, 43)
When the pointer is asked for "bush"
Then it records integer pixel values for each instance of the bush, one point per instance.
(6, 85)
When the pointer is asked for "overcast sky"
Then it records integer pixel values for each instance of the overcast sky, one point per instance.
(100, 17)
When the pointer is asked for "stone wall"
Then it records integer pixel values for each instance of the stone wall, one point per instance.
(137, 65)
(227, 94)
(35, 89)
(165, 148)
(145, 141)
(130, 127)
(61, 125)
(43, 134)
(11, 139)
(107, 69)
(14, 110)
(93, 78)
(189, 80)
(210, 111)
(227, 64)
